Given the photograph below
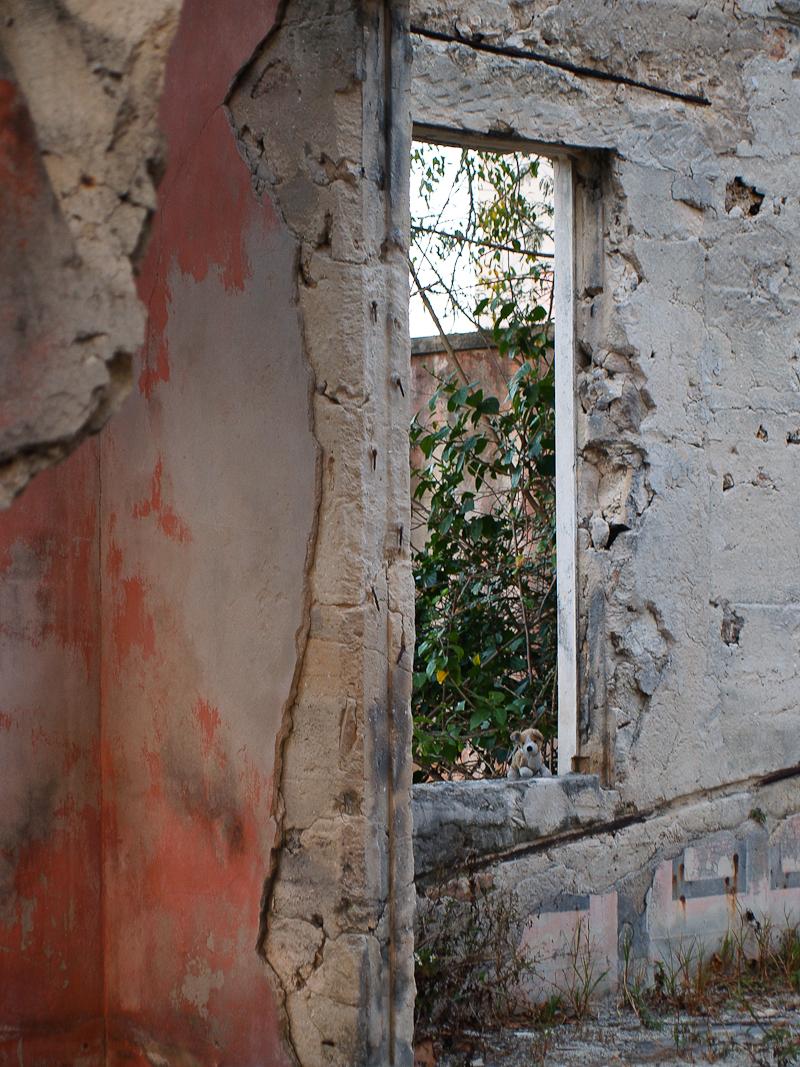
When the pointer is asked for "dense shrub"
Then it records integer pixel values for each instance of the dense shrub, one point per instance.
(483, 489)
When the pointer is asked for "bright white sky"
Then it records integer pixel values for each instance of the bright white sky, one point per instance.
(448, 211)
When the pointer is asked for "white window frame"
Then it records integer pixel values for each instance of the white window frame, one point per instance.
(565, 389)
(566, 482)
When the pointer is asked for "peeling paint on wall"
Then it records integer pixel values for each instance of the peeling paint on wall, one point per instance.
(80, 156)
(207, 628)
(209, 572)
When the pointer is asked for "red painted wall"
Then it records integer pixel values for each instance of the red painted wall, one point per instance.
(149, 632)
(51, 958)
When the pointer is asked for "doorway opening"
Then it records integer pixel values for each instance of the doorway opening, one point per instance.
(492, 457)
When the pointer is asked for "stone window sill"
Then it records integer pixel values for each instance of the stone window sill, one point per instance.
(456, 822)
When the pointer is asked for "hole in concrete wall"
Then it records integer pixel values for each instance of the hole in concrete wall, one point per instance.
(731, 626)
(614, 530)
(483, 459)
(745, 198)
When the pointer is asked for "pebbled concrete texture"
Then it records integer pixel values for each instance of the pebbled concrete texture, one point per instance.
(735, 1037)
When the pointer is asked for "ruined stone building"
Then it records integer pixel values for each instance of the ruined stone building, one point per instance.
(207, 852)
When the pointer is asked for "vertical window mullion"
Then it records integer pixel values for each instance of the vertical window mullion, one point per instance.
(566, 488)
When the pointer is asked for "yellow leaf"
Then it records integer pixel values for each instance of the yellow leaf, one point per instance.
(440, 676)
(476, 659)
(519, 561)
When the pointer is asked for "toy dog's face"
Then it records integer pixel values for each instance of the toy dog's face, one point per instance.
(527, 742)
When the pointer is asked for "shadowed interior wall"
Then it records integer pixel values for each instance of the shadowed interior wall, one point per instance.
(209, 498)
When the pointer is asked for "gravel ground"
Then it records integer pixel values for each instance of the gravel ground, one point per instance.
(767, 1034)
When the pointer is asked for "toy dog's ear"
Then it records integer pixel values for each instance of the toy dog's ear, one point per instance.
(515, 736)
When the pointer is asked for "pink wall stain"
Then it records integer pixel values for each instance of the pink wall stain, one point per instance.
(170, 524)
(186, 807)
(206, 186)
(19, 163)
(209, 720)
(133, 625)
(184, 960)
(56, 530)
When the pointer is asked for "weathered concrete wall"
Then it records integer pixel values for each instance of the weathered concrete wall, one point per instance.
(323, 119)
(682, 120)
(80, 157)
(688, 342)
(430, 362)
(574, 862)
(225, 599)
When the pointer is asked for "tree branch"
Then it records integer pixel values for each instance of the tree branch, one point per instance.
(483, 244)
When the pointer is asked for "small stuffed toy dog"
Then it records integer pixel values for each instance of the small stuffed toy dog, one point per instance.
(527, 761)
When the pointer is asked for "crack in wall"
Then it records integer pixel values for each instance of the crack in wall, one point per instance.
(254, 156)
(317, 185)
(511, 52)
(642, 815)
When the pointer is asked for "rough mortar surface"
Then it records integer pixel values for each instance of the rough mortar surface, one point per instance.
(80, 159)
(314, 114)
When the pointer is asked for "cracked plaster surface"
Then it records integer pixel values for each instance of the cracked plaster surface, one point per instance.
(688, 388)
(309, 115)
(81, 158)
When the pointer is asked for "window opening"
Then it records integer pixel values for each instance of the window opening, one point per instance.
(491, 293)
